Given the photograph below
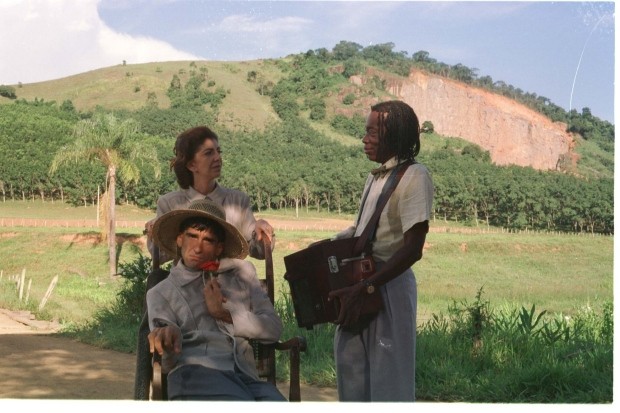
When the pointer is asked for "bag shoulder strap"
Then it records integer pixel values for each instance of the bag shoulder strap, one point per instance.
(371, 228)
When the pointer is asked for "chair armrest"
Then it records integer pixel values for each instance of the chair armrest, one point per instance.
(158, 382)
(294, 346)
(298, 342)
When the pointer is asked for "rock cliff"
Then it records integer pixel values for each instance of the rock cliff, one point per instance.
(510, 131)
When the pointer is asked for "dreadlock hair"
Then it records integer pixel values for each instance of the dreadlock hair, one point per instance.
(399, 129)
(185, 149)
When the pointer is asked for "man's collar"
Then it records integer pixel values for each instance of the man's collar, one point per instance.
(217, 195)
(385, 168)
(185, 275)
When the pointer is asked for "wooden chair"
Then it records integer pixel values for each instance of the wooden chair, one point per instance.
(150, 382)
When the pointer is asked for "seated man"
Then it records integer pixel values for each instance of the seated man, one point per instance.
(202, 316)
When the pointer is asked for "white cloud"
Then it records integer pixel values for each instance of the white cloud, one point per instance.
(48, 39)
(117, 47)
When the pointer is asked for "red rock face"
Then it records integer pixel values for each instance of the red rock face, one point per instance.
(510, 131)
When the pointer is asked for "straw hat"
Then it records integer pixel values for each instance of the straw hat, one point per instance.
(166, 228)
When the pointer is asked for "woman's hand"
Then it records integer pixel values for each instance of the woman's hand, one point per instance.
(263, 229)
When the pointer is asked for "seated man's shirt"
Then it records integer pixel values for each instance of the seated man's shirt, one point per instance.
(178, 300)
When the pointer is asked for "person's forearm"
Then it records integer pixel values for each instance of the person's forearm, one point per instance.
(405, 257)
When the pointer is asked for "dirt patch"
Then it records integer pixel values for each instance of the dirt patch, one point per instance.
(88, 239)
(36, 363)
(92, 238)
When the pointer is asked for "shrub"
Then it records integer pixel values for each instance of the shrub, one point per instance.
(349, 99)
(8, 92)
(427, 127)
(130, 298)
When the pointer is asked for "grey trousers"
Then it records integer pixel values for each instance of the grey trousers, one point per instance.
(378, 363)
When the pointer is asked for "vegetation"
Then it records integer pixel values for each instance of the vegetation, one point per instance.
(288, 145)
(271, 163)
(273, 166)
(8, 92)
(115, 145)
(486, 354)
(541, 316)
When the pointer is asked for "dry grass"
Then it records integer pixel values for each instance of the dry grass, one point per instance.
(127, 87)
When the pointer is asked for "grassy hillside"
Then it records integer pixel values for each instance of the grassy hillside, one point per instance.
(128, 86)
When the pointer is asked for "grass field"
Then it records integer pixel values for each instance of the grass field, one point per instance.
(557, 273)
(470, 284)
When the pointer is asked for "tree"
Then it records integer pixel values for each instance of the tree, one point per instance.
(114, 144)
(345, 50)
(8, 92)
(427, 127)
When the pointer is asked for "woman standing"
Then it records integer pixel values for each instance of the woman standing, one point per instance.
(197, 165)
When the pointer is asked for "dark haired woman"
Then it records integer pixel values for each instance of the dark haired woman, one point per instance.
(197, 164)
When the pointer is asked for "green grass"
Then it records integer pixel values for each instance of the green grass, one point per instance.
(79, 260)
(489, 355)
(60, 211)
(561, 275)
(594, 161)
(558, 272)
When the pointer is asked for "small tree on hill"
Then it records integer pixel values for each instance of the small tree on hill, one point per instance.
(427, 127)
(8, 92)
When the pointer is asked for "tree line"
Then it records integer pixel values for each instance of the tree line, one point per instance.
(290, 164)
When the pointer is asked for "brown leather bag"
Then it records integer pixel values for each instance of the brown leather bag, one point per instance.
(323, 267)
(328, 265)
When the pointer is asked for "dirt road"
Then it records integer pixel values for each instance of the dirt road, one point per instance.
(37, 364)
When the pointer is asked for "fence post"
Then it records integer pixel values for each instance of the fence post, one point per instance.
(28, 290)
(48, 293)
(21, 284)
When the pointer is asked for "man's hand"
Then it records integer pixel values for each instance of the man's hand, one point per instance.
(263, 229)
(214, 299)
(165, 339)
(351, 303)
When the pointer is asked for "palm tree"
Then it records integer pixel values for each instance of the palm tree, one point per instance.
(114, 144)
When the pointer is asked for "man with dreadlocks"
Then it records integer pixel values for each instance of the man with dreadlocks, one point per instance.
(375, 359)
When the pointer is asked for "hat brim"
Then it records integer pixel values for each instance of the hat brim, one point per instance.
(166, 230)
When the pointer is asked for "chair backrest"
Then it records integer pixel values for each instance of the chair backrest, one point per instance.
(265, 355)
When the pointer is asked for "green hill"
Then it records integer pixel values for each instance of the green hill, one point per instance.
(128, 86)
(290, 130)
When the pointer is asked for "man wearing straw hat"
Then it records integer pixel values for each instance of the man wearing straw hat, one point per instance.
(202, 316)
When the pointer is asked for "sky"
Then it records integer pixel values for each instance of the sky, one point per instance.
(564, 51)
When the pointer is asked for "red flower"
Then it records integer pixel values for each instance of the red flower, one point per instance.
(210, 267)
